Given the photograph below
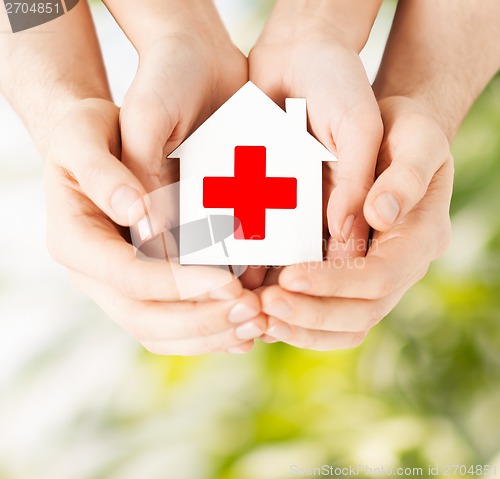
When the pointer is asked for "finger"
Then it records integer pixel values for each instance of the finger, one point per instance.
(99, 174)
(268, 339)
(218, 343)
(146, 126)
(327, 314)
(253, 277)
(242, 348)
(395, 258)
(83, 239)
(415, 148)
(357, 138)
(346, 119)
(373, 277)
(272, 275)
(356, 245)
(153, 321)
(313, 340)
(159, 110)
(182, 328)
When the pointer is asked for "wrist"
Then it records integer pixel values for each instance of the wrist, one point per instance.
(404, 105)
(423, 100)
(159, 19)
(347, 22)
(44, 119)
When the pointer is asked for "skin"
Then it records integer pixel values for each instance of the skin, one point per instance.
(89, 192)
(331, 306)
(311, 50)
(188, 68)
(440, 56)
(345, 296)
(456, 72)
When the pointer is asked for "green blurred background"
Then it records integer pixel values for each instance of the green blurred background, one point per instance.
(80, 400)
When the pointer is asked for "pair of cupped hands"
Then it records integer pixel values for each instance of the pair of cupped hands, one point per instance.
(103, 159)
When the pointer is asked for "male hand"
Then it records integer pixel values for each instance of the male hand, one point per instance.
(89, 192)
(335, 303)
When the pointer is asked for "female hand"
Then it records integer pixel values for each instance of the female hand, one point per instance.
(312, 52)
(89, 192)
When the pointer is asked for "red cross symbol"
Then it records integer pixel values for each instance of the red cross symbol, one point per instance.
(249, 192)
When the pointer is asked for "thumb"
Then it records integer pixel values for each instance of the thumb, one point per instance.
(83, 147)
(109, 185)
(159, 110)
(357, 141)
(414, 148)
(145, 128)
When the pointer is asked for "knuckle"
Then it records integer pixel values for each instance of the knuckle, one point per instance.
(382, 287)
(317, 320)
(360, 184)
(204, 327)
(372, 315)
(92, 174)
(128, 286)
(413, 180)
(444, 238)
(357, 339)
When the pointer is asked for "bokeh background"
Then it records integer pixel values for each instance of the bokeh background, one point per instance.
(79, 399)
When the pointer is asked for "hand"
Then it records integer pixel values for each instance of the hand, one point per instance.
(89, 191)
(335, 303)
(183, 77)
(305, 54)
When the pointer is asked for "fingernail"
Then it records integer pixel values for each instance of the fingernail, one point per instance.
(122, 200)
(387, 207)
(298, 285)
(237, 350)
(347, 229)
(248, 331)
(278, 309)
(268, 339)
(242, 312)
(280, 331)
(144, 228)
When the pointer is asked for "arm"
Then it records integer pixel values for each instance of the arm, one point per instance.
(441, 54)
(439, 58)
(55, 79)
(46, 71)
(146, 23)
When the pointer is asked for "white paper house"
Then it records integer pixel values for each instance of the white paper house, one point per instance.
(278, 193)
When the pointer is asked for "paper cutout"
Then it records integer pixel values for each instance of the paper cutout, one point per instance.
(254, 161)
